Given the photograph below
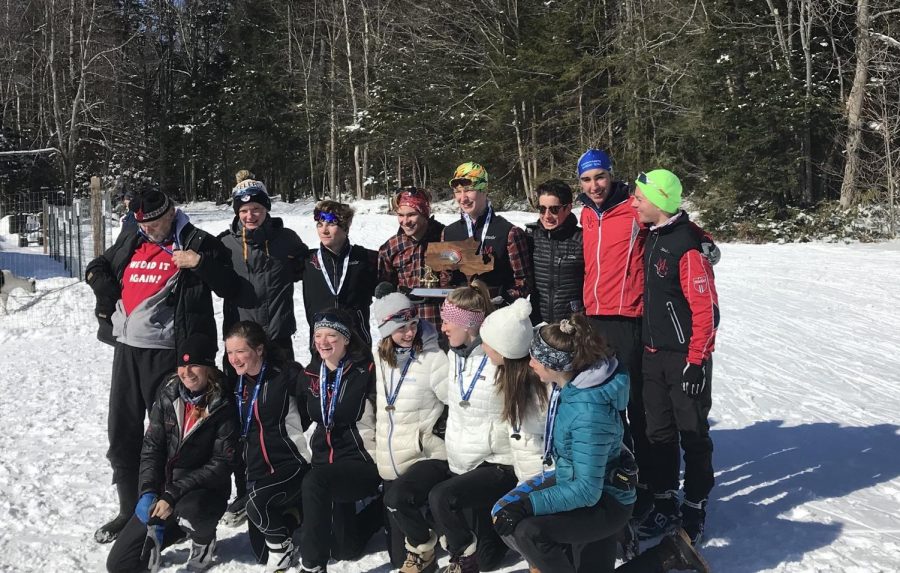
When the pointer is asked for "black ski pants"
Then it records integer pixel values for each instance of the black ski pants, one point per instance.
(461, 507)
(406, 504)
(555, 543)
(197, 512)
(331, 525)
(623, 334)
(672, 415)
(136, 376)
(274, 503)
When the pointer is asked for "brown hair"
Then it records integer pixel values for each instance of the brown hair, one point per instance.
(473, 297)
(255, 336)
(520, 387)
(577, 335)
(242, 175)
(342, 211)
(387, 347)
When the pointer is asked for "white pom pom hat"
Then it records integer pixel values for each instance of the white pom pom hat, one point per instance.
(508, 330)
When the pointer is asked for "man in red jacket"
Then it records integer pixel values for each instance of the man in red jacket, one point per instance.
(681, 314)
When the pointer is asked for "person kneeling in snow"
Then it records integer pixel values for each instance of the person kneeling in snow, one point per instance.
(186, 459)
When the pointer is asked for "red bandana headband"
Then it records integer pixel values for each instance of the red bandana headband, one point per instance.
(461, 316)
(417, 200)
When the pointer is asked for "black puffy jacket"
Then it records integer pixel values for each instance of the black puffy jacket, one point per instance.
(352, 435)
(172, 465)
(191, 297)
(275, 443)
(270, 260)
(558, 257)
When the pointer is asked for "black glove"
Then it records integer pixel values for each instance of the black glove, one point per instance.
(625, 475)
(711, 252)
(506, 520)
(693, 379)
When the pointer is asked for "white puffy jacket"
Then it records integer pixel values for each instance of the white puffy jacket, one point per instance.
(404, 435)
(528, 449)
(476, 433)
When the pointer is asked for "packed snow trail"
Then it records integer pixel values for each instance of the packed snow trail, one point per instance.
(806, 391)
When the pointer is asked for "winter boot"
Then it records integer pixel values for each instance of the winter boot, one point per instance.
(676, 552)
(693, 518)
(643, 505)
(467, 562)
(628, 539)
(316, 569)
(420, 558)
(664, 517)
(236, 512)
(201, 555)
(127, 492)
(280, 556)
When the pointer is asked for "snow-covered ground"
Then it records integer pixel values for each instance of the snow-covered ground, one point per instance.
(805, 414)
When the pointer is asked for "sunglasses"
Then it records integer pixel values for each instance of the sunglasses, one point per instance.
(554, 210)
(643, 179)
(326, 217)
(405, 315)
(328, 317)
(409, 192)
(461, 181)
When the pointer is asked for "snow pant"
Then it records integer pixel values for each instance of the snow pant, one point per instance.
(673, 415)
(274, 503)
(556, 543)
(332, 527)
(405, 500)
(623, 334)
(136, 376)
(197, 512)
(461, 506)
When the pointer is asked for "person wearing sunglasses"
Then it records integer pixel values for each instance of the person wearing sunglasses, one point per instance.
(411, 372)
(614, 239)
(339, 274)
(511, 276)
(338, 394)
(401, 259)
(154, 289)
(557, 252)
(681, 315)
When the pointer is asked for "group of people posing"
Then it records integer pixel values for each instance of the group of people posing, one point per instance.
(542, 407)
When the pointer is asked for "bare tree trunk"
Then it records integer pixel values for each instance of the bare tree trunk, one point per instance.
(806, 18)
(523, 168)
(855, 105)
(356, 151)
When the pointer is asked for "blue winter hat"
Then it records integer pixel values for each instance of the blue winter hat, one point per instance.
(594, 159)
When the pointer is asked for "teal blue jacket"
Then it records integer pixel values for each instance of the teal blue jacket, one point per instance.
(587, 437)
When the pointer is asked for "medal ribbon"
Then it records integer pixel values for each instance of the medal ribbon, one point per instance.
(391, 394)
(549, 424)
(460, 365)
(470, 226)
(239, 395)
(328, 276)
(326, 406)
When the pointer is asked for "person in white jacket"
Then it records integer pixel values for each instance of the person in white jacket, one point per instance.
(479, 458)
(506, 337)
(411, 374)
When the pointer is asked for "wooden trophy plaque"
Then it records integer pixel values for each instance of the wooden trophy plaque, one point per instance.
(459, 256)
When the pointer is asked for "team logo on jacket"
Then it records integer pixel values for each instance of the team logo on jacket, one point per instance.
(662, 267)
(701, 284)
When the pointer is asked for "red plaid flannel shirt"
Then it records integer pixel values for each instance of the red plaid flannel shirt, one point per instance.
(401, 262)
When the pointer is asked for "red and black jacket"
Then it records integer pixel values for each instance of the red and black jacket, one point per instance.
(681, 307)
(353, 428)
(275, 442)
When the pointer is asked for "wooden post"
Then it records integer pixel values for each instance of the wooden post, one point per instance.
(97, 216)
(45, 221)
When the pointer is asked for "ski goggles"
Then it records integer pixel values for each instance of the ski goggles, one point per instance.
(326, 217)
(405, 315)
(643, 179)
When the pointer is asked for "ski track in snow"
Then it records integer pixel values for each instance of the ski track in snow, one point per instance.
(804, 419)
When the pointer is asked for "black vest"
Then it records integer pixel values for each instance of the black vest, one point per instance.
(558, 257)
(495, 243)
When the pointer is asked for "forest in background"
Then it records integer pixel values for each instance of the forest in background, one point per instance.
(778, 115)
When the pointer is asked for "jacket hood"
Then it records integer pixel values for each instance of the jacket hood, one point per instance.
(181, 219)
(602, 383)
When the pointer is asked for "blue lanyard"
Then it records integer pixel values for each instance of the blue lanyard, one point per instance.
(239, 395)
(160, 245)
(391, 394)
(549, 423)
(465, 394)
(328, 408)
(470, 226)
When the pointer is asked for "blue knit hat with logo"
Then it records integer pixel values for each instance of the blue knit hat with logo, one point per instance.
(594, 159)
